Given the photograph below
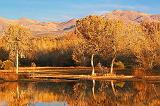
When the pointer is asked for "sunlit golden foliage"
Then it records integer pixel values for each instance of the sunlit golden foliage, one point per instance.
(99, 36)
(32, 46)
(107, 37)
(7, 65)
(16, 38)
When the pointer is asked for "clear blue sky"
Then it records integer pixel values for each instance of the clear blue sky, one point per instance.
(62, 10)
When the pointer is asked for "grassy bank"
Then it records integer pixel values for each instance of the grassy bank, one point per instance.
(67, 73)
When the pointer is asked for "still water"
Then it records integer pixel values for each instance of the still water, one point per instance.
(80, 93)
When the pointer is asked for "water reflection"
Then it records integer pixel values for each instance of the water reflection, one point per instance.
(80, 93)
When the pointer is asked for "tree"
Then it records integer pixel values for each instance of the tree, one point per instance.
(89, 29)
(101, 36)
(151, 29)
(17, 39)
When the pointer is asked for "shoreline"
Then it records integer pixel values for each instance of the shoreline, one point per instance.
(67, 73)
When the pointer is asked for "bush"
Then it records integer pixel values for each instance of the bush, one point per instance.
(119, 64)
(7, 65)
(33, 64)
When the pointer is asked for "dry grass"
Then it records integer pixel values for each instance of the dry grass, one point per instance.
(51, 73)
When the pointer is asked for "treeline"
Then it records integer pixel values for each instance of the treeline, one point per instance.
(134, 44)
(47, 50)
(106, 40)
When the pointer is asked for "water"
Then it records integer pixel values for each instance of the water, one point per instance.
(80, 93)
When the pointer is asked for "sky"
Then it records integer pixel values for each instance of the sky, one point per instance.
(63, 10)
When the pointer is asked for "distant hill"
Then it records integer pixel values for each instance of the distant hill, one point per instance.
(133, 16)
(42, 28)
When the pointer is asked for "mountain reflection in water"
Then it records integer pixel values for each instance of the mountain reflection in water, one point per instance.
(80, 93)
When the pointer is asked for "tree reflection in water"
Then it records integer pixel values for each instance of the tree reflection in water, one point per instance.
(81, 93)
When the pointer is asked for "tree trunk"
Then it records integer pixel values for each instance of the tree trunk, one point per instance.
(17, 62)
(112, 64)
(92, 63)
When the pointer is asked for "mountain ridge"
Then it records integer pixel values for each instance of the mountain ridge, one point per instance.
(40, 28)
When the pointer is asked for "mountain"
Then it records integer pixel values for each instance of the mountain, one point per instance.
(42, 28)
(132, 16)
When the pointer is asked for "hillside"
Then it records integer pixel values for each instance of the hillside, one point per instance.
(42, 28)
(133, 16)
(39, 28)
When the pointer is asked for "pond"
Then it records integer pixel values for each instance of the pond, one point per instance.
(80, 93)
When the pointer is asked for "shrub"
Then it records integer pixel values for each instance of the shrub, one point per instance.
(119, 64)
(33, 64)
(7, 65)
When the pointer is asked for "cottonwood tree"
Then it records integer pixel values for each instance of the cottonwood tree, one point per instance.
(151, 30)
(114, 39)
(100, 36)
(143, 42)
(110, 37)
(133, 40)
(90, 29)
(17, 40)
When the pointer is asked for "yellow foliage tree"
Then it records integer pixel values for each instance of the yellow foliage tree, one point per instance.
(17, 39)
(101, 36)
